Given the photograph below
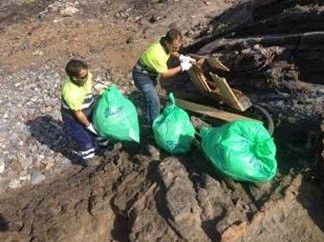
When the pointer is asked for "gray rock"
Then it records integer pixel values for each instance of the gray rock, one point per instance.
(14, 184)
(25, 163)
(37, 177)
(181, 200)
(69, 11)
(2, 166)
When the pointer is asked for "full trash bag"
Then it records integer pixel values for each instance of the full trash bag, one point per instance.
(173, 130)
(242, 149)
(115, 116)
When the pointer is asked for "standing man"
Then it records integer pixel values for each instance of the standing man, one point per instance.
(77, 105)
(153, 62)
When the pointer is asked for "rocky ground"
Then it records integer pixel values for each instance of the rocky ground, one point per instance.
(139, 193)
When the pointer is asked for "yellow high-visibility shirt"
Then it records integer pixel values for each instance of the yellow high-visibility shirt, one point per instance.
(155, 57)
(76, 97)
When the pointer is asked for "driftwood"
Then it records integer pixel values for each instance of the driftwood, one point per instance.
(209, 111)
(211, 85)
(271, 43)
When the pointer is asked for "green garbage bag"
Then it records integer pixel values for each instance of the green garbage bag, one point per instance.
(173, 130)
(115, 116)
(243, 150)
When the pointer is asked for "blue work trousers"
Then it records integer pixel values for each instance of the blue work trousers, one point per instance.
(78, 133)
(146, 82)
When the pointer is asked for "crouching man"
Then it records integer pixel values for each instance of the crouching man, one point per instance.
(77, 105)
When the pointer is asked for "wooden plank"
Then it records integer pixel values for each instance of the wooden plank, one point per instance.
(209, 111)
(198, 78)
(245, 102)
(227, 94)
(215, 63)
(217, 88)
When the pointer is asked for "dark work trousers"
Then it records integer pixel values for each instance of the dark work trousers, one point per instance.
(146, 82)
(79, 134)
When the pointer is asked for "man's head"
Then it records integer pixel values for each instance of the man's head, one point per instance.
(77, 70)
(173, 40)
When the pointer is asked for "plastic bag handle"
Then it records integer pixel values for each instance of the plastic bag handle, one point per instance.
(171, 98)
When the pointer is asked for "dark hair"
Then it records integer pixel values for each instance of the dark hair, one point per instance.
(171, 35)
(74, 66)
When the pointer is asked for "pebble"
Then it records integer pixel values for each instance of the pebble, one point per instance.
(37, 178)
(25, 163)
(38, 52)
(14, 184)
(69, 11)
(2, 166)
(28, 128)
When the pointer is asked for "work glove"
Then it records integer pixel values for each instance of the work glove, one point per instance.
(185, 66)
(92, 129)
(185, 58)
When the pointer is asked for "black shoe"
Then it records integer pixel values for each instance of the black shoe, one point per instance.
(84, 163)
(112, 147)
(111, 150)
(102, 142)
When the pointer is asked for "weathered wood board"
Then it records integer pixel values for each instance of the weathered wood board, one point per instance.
(209, 111)
(217, 88)
(231, 97)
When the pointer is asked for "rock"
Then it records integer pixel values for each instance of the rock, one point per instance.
(69, 11)
(37, 177)
(130, 40)
(25, 177)
(53, 8)
(42, 15)
(154, 19)
(25, 163)
(2, 166)
(153, 151)
(38, 52)
(234, 232)
(174, 25)
(181, 200)
(48, 164)
(14, 184)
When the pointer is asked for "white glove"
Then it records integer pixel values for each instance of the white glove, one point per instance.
(92, 129)
(185, 58)
(185, 66)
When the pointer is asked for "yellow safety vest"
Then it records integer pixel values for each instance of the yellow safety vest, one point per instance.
(155, 58)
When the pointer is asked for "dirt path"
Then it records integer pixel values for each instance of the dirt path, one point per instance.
(111, 40)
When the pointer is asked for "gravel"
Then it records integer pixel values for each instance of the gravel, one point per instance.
(31, 128)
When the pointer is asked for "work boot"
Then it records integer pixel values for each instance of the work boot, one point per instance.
(102, 142)
(84, 160)
(111, 149)
(89, 162)
(84, 163)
